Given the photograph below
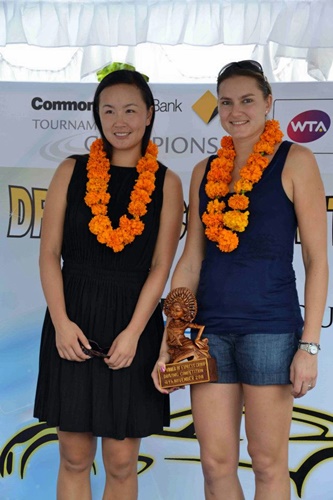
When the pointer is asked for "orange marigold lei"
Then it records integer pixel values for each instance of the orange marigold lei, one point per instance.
(97, 197)
(221, 227)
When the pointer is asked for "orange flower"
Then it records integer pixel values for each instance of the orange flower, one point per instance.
(213, 220)
(236, 220)
(96, 185)
(94, 198)
(213, 232)
(145, 185)
(216, 189)
(242, 185)
(99, 223)
(252, 172)
(137, 227)
(99, 209)
(238, 202)
(97, 197)
(141, 195)
(227, 143)
(217, 186)
(215, 206)
(137, 208)
(228, 241)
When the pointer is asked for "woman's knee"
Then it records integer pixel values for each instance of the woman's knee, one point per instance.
(267, 464)
(218, 466)
(120, 459)
(77, 454)
(120, 468)
(76, 462)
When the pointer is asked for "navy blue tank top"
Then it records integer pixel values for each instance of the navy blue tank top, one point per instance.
(253, 288)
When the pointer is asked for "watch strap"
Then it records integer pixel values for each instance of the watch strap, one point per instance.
(310, 347)
(300, 342)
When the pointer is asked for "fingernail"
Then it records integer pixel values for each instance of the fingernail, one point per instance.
(162, 369)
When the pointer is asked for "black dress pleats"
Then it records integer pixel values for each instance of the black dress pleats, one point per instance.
(101, 290)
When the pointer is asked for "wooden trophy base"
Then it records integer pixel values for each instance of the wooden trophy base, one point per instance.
(188, 372)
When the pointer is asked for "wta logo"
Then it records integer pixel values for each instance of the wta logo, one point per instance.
(308, 126)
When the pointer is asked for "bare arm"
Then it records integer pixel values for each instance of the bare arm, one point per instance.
(187, 270)
(67, 333)
(124, 347)
(304, 186)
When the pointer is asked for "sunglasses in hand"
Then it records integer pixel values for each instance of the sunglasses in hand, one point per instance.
(96, 350)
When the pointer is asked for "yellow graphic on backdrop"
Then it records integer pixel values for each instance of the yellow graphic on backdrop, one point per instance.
(206, 107)
(318, 432)
(25, 212)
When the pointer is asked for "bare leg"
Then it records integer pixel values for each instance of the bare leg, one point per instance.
(268, 412)
(120, 462)
(77, 452)
(217, 413)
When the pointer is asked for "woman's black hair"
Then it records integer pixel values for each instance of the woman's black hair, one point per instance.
(125, 76)
(249, 68)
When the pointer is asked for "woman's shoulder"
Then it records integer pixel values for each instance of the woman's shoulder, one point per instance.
(82, 158)
(66, 169)
(76, 163)
(172, 183)
(200, 169)
(70, 162)
(170, 176)
(300, 156)
(170, 173)
(301, 166)
(298, 150)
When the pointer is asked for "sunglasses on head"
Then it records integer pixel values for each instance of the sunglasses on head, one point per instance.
(96, 350)
(246, 64)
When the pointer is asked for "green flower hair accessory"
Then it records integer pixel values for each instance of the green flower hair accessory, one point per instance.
(115, 66)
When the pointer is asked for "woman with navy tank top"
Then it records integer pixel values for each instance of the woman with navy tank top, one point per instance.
(246, 204)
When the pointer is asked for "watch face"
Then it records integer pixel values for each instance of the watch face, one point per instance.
(313, 349)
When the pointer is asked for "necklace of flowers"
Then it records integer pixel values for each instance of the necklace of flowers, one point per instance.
(221, 227)
(97, 197)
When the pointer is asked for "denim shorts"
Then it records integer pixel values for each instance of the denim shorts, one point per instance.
(253, 358)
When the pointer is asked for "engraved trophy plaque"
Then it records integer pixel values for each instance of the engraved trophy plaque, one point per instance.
(190, 361)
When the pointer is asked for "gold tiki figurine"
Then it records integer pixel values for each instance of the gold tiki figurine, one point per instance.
(190, 361)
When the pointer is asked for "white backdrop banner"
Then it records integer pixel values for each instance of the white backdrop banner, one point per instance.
(40, 124)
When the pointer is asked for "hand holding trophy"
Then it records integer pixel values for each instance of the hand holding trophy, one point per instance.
(180, 307)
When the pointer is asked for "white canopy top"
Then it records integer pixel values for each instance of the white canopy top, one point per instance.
(192, 38)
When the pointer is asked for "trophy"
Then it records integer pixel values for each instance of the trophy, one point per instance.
(190, 361)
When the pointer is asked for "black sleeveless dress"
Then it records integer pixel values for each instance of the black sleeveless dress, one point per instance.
(101, 289)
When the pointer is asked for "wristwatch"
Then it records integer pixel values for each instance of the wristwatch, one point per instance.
(310, 347)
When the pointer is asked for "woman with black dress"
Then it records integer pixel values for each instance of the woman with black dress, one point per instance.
(111, 226)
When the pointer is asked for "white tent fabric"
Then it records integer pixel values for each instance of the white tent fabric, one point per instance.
(191, 38)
